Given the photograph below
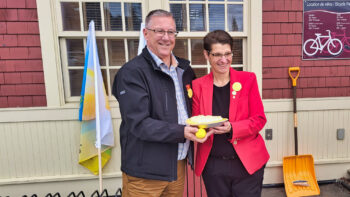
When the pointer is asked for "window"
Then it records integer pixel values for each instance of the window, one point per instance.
(117, 25)
(194, 19)
(64, 24)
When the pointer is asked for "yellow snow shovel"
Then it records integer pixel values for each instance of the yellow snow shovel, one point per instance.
(298, 171)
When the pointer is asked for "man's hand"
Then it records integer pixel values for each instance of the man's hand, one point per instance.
(190, 133)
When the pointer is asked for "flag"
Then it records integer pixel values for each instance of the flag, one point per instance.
(94, 111)
(142, 41)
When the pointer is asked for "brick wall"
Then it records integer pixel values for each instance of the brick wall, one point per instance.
(282, 42)
(21, 69)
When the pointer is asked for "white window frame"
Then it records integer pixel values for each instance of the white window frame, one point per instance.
(122, 35)
(50, 30)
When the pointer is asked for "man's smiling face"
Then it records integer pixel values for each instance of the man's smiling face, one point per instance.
(160, 45)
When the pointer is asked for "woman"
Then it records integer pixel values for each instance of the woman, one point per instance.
(231, 161)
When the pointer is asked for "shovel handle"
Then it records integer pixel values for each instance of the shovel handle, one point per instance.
(294, 79)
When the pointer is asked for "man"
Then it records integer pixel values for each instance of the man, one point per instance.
(154, 95)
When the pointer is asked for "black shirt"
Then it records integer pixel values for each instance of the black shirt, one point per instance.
(221, 107)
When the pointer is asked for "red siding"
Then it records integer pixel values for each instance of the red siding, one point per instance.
(31, 3)
(21, 69)
(282, 41)
(16, 4)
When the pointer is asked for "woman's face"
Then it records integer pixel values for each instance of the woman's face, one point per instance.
(220, 58)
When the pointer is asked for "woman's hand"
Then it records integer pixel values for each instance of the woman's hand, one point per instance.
(224, 128)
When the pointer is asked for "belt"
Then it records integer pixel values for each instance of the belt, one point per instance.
(224, 157)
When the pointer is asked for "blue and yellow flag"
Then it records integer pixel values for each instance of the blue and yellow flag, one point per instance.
(93, 107)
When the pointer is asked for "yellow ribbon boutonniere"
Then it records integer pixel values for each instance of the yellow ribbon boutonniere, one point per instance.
(189, 91)
(236, 87)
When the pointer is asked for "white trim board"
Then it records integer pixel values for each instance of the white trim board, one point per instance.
(70, 111)
(49, 51)
(307, 104)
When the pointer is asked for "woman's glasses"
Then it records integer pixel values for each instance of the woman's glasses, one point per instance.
(227, 55)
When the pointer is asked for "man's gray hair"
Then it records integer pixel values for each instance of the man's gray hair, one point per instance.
(158, 12)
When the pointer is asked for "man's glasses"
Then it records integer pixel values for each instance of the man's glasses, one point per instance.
(220, 55)
(161, 32)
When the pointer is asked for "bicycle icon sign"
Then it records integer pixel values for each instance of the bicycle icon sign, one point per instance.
(333, 46)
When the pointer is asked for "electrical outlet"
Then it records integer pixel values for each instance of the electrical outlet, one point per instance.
(268, 134)
(340, 134)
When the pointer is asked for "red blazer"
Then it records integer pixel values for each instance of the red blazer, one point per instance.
(246, 115)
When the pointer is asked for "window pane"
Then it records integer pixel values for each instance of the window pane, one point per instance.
(133, 16)
(238, 68)
(235, 17)
(237, 51)
(197, 17)
(216, 0)
(180, 15)
(200, 72)
(112, 73)
(197, 52)
(216, 16)
(101, 52)
(116, 52)
(92, 11)
(236, 0)
(70, 16)
(113, 16)
(133, 45)
(75, 52)
(75, 81)
(181, 49)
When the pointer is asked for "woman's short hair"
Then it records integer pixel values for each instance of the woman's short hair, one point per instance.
(158, 12)
(217, 36)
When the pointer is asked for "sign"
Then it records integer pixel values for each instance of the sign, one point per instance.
(326, 29)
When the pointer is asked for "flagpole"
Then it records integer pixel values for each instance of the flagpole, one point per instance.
(97, 108)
